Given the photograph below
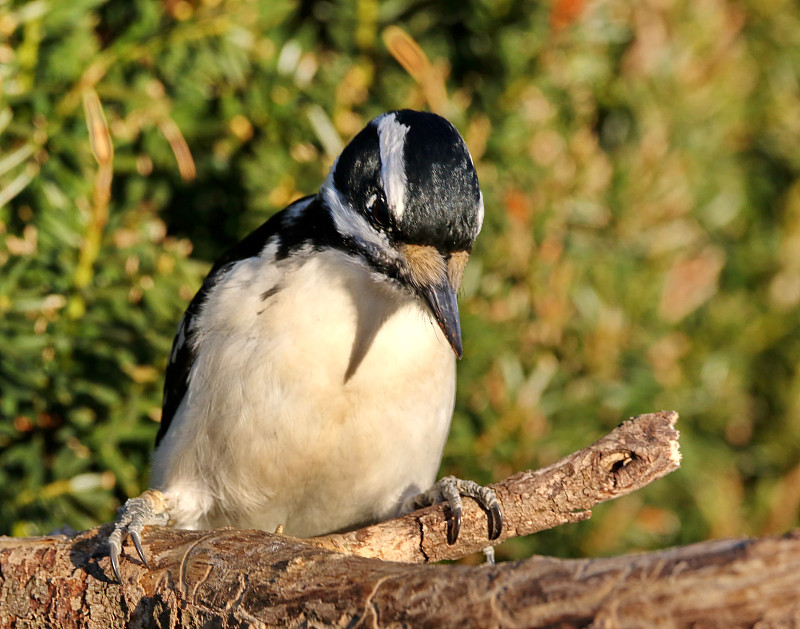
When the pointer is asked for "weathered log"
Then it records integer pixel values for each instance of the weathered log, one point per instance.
(236, 578)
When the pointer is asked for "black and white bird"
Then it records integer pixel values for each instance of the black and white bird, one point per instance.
(311, 383)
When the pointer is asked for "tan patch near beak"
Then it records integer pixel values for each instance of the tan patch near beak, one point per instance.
(425, 264)
(455, 268)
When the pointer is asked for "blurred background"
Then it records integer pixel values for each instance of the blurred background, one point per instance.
(640, 164)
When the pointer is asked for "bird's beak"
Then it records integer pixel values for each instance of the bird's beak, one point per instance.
(441, 299)
(437, 278)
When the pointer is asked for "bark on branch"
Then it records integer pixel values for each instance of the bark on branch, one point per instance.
(235, 578)
(636, 453)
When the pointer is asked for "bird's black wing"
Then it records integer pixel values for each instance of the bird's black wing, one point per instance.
(183, 352)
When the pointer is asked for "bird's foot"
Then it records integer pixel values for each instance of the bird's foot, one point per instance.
(148, 509)
(450, 489)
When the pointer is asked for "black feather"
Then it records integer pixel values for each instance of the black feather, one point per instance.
(443, 195)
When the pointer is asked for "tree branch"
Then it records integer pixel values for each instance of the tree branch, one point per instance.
(636, 453)
(233, 578)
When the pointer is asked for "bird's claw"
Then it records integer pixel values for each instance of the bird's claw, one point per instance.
(145, 510)
(450, 490)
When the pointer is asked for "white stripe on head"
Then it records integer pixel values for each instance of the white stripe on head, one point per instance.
(392, 139)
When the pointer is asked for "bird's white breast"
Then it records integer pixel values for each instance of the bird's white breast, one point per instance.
(318, 401)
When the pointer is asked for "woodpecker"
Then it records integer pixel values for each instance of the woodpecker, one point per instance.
(311, 382)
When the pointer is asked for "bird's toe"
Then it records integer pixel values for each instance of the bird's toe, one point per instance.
(450, 490)
(148, 509)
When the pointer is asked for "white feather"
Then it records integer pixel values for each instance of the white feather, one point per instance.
(326, 410)
(392, 140)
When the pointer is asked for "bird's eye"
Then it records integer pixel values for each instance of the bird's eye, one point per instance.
(379, 212)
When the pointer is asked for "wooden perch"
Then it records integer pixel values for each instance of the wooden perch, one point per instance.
(636, 453)
(235, 578)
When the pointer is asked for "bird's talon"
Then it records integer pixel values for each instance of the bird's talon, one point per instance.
(137, 542)
(449, 491)
(495, 521)
(115, 563)
(454, 524)
(145, 510)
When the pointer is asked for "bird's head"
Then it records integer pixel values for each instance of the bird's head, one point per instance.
(404, 196)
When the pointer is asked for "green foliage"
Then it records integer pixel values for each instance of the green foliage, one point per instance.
(642, 183)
